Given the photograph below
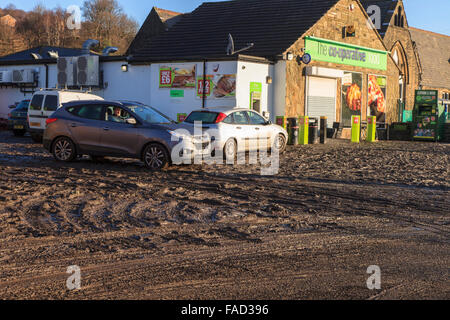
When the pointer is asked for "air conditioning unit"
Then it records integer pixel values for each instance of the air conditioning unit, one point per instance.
(5, 76)
(88, 71)
(23, 76)
(66, 71)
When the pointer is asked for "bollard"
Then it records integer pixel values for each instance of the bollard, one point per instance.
(282, 122)
(292, 129)
(371, 129)
(356, 129)
(303, 134)
(323, 130)
(313, 131)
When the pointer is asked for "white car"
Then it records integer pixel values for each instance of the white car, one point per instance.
(238, 129)
(45, 102)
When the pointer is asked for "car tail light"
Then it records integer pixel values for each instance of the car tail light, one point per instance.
(221, 117)
(9, 115)
(50, 120)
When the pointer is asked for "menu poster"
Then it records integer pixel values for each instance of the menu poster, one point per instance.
(179, 76)
(351, 97)
(377, 97)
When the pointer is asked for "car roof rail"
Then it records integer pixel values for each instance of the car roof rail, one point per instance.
(81, 90)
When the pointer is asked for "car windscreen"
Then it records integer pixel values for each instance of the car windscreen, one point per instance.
(149, 114)
(203, 116)
(22, 106)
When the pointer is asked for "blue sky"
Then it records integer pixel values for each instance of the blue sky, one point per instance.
(430, 15)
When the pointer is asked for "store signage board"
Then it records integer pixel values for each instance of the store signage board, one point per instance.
(344, 53)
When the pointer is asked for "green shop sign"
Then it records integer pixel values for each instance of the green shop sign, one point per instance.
(344, 53)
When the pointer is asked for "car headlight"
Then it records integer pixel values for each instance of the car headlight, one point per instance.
(176, 136)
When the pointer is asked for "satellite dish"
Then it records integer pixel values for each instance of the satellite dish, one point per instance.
(230, 47)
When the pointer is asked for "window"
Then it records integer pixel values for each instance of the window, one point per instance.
(92, 112)
(203, 116)
(240, 117)
(256, 119)
(117, 114)
(36, 103)
(229, 119)
(51, 103)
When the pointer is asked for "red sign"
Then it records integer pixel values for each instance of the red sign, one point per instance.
(165, 77)
(200, 87)
(370, 120)
(356, 120)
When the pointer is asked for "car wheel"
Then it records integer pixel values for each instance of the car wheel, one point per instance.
(36, 138)
(156, 157)
(230, 151)
(64, 150)
(280, 143)
(19, 133)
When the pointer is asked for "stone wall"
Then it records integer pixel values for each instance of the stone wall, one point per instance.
(330, 27)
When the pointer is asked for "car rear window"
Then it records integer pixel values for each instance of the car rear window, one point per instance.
(51, 103)
(203, 116)
(92, 112)
(36, 102)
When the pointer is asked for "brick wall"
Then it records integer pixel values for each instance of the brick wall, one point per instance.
(330, 27)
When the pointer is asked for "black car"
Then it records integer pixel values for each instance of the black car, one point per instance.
(17, 119)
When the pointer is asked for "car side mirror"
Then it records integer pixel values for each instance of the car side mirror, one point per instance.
(12, 106)
(268, 122)
(131, 121)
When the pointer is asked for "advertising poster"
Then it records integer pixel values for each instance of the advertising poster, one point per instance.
(177, 77)
(351, 97)
(377, 97)
(224, 86)
(218, 86)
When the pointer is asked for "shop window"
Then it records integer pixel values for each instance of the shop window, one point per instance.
(351, 97)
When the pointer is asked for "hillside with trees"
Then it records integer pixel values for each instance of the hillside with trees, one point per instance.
(103, 20)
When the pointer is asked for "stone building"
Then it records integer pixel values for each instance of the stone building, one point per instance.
(364, 82)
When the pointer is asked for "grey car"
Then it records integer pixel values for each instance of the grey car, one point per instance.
(115, 129)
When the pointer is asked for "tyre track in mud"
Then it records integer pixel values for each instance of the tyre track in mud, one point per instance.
(226, 232)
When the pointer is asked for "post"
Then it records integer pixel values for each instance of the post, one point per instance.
(371, 129)
(323, 130)
(303, 135)
(356, 129)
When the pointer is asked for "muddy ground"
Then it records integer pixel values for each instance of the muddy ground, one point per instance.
(223, 232)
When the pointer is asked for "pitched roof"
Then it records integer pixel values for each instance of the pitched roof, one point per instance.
(387, 10)
(434, 53)
(43, 52)
(272, 25)
(156, 23)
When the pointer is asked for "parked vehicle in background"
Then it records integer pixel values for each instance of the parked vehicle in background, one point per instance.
(17, 118)
(240, 130)
(45, 102)
(115, 129)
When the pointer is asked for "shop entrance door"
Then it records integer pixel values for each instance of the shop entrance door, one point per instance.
(321, 98)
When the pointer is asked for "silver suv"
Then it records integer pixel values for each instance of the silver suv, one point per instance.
(116, 129)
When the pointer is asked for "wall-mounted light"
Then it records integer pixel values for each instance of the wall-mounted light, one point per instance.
(290, 56)
(125, 68)
(269, 80)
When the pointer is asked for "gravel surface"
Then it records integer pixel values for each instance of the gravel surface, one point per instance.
(226, 232)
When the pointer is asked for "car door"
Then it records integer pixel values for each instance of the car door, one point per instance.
(260, 135)
(36, 118)
(85, 126)
(242, 129)
(118, 137)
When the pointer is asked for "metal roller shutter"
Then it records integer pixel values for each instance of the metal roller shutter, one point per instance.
(321, 98)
